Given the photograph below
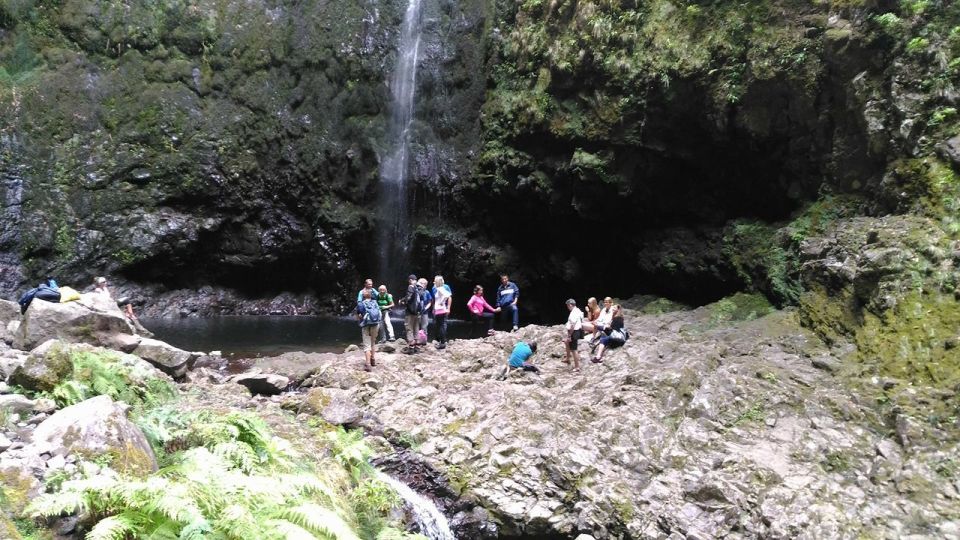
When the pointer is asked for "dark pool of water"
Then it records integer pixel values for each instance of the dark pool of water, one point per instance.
(251, 336)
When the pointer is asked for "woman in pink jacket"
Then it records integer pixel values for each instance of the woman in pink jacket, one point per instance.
(479, 310)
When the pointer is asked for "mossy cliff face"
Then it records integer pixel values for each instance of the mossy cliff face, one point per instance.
(193, 142)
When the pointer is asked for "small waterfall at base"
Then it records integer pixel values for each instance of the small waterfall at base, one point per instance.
(395, 206)
(433, 524)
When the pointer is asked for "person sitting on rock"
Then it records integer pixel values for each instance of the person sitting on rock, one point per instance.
(367, 286)
(592, 314)
(385, 301)
(574, 331)
(480, 310)
(100, 287)
(520, 359)
(612, 337)
(368, 313)
(601, 323)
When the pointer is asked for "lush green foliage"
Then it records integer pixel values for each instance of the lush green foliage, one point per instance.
(111, 374)
(225, 477)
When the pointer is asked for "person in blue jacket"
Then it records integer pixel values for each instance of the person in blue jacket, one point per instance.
(507, 296)
(368, 286)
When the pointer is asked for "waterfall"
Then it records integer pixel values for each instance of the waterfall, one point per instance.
(395, 205)
(433, 524)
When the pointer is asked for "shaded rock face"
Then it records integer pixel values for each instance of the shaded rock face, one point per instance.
(211, 145)
(701, 426)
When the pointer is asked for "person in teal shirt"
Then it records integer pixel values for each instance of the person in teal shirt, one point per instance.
(520, 357)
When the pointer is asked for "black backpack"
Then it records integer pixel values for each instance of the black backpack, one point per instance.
(415, 300)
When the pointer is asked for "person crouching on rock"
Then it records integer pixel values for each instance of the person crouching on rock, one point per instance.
(520, 359)
(574, 331)
(368, 313)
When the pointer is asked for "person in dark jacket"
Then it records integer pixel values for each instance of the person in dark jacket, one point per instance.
(508, 294)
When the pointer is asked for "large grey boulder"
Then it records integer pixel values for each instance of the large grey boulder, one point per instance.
(45, 367)
(92, 319)
(9, 314)
(16, 404)
(166, 357)
(96, 427)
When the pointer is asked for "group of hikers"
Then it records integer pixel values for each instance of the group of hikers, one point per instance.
(602, 327)
(419, 302)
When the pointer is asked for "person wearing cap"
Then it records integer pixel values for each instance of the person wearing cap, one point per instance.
(412, 313)
(574, 331)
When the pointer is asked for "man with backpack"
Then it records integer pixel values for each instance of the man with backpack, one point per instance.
(413, 305)
(368, 313)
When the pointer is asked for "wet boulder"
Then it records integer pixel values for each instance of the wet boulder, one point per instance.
(265, 384)
(45, 367)
(166, 357)
(93, 319)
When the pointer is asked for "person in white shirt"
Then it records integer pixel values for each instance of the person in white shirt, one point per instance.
(574, 330)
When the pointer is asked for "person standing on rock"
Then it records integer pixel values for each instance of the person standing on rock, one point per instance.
(368, 313)
(479, 310)
(426, 303)
(442, 300)
(367, 286)
(507, 296)
(412, 306)
(574, 331)
(385, 301)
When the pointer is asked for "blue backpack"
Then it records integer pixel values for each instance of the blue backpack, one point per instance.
(371, 313)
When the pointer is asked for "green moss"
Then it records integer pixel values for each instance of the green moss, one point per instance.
(15, 487)
(913, 340)
(739, 307)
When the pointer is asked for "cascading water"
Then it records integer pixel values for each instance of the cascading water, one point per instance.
(433, 524)
(395, 204)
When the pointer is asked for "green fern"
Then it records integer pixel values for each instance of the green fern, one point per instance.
(96, 374)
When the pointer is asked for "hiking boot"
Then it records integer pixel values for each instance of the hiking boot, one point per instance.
(441, 346)
(515, 329)
(373, 362)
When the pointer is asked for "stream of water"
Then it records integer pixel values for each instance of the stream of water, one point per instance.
(395, 204)
(433, 524)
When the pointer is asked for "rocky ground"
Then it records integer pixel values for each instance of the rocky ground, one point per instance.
(727, 421)
(701, 426)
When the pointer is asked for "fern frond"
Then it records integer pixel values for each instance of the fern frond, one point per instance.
(241, 455)
(319, 521)
(113, 528)
(56, 504)
(289, 531)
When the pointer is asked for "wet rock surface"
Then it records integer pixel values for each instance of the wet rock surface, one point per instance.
(699, 426)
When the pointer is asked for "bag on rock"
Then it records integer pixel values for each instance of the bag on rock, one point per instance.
(48, 294)
(421, 338)
(68, 294)
(26, 299)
